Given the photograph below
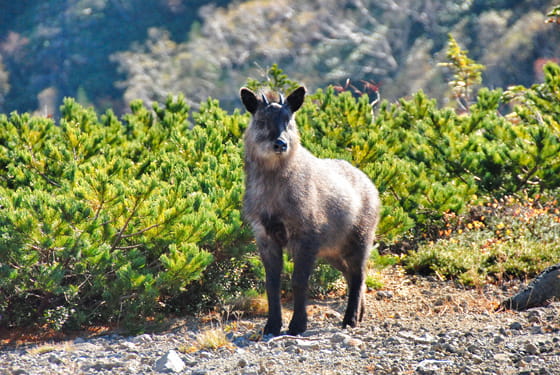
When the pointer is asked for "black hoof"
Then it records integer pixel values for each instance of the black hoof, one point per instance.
(272, 329)
(297, 328)
(349, 322)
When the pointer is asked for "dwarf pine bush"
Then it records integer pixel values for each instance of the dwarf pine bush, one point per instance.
(111, 218)
(108, 219)
(428, 160)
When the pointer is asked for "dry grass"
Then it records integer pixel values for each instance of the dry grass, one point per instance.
(213, 338)
(51, 347)
(250, 306)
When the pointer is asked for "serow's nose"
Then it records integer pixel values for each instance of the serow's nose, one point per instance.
(280, 146)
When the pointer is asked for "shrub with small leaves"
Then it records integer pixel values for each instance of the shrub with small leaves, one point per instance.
(109, 220)
(496, 240)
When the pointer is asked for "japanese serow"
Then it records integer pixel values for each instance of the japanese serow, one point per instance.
(309, 206)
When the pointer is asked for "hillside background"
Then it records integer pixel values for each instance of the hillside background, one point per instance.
(106, 53)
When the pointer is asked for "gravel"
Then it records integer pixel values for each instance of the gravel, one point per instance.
(414, 326)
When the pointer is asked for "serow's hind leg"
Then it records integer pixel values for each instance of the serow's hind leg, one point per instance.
(362, 309)
(355, 309)
(357, 255)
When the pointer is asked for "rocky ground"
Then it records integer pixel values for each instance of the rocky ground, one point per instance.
(414, 326)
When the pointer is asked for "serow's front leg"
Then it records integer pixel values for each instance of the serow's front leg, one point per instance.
(271, 255)
(303, 266)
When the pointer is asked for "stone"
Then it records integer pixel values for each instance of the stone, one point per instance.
(531, 348)
(424, 339)
(543, 289)
(143, 338)
(498, 339)
(474, 348)
(516, 326)
(205, 355)
(129, 346)
(353, 343)
(384, 294)
(501, 357)
(55, 359)
(334, 315)
(472, 343)
(536, 330)
(169, 362)
(432, 366)
(339, 338)
(105, 365)
(477, 359)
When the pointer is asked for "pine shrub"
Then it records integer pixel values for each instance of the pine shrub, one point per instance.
(105, 219)
(110, 219)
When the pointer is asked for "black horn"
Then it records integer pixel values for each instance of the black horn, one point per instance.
(265, 99)
(281, 99)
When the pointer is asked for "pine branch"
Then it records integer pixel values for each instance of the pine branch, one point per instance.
(129, 247)
(120, 235)
(98, 210)
(141, 231)
(525, 181)
(42, 174)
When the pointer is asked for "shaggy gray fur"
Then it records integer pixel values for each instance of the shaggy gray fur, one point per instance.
(309, 206)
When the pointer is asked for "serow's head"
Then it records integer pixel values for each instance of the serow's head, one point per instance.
(272, 133)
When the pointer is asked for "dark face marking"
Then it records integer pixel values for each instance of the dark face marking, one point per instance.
(273, 130)
(273, 123)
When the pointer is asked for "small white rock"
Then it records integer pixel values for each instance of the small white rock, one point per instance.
(169, 362)
(339, 337)
(428, 366)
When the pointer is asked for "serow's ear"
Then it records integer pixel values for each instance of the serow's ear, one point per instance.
(295, 99)
(249, 100)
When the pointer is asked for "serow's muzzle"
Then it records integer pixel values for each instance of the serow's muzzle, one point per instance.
(280, 146)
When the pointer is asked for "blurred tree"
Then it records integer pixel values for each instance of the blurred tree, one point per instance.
(466, 74)
(4, 83)
(322, 42)
(510, 55)
(160, 66)
(66, 44)
(171, 46)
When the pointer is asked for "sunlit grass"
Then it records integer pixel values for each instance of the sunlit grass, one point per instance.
(212, 338)
(374, 281)
(250, 303)
(51, 347)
